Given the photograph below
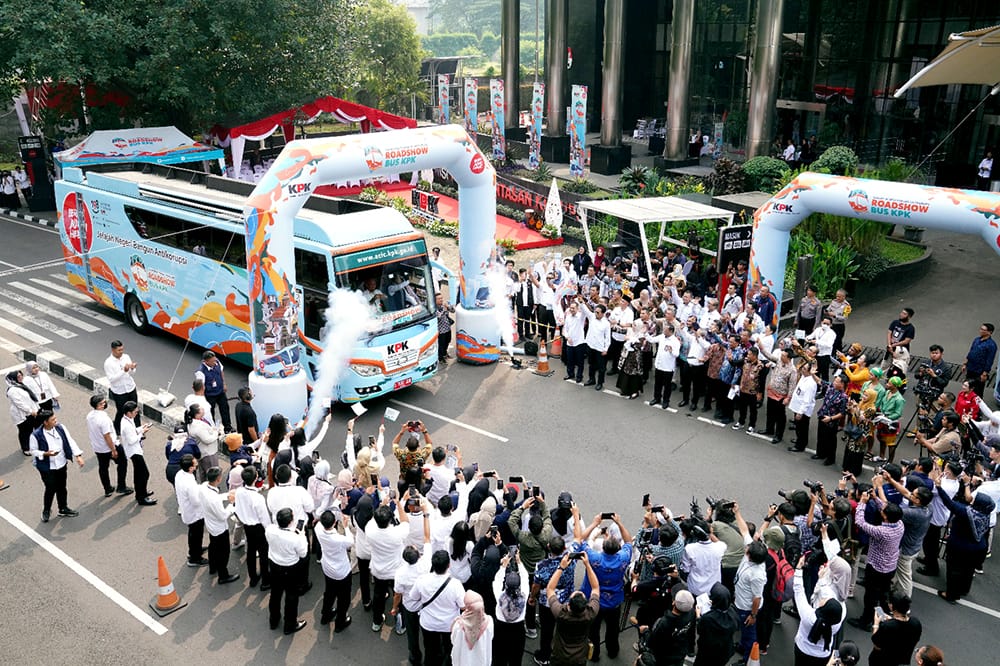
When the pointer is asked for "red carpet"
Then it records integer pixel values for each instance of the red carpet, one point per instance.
(526, 239)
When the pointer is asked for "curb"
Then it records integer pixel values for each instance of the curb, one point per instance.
(28, 218)
(93, 380)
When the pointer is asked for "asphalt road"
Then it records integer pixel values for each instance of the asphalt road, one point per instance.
(606, 450)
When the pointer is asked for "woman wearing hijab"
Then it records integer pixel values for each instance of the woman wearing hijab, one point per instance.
(41, 385)
(967, 543)
(716, 629)
(179, 445)
(363, 512)
(485, 562)
(510, 587)
(834, 581)
(367, 466)
(482, 520)
(321, 490)
(478, 495)
(346, 486)
(23, 408)
(859, 431)
(630, 364)
(817, 626)
(472, 634)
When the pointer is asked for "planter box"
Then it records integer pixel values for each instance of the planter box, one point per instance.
(890, 282)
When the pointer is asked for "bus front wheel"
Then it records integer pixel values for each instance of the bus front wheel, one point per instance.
(135, 314)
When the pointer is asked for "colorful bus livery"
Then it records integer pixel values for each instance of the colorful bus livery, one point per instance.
(166, 246)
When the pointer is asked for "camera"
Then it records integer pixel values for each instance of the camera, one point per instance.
(813, 486)
(782, 493)
(657, 509)
(907, 463)
(413, 426)
(711, 502)
(695, 508)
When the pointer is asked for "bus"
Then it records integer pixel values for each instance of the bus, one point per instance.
(166, 247)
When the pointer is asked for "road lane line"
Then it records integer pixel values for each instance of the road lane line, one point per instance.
(84, 573)
(10, 265)
(40, 294)
(30, 225)
(43, 324)
(961, 602)
(33, 338)
(480, 431)
(39, 307)
(711, 422)
(62, 289)
(9, 346)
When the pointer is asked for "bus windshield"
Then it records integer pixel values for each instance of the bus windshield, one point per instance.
(395, 280)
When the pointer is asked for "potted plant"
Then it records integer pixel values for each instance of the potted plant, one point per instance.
(914, 234)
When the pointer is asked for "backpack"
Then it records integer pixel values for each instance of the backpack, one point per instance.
(792, 549)
(783, 574)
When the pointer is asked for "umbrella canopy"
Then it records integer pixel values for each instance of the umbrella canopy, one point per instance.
(160, 145)
(970, 57)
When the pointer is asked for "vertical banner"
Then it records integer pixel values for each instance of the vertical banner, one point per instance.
(578, 135)
(444, 103)
(717, 140)
(471, 106)
(535, 126)
(497, 112)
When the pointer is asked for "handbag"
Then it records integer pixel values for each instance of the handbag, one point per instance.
(853, 431)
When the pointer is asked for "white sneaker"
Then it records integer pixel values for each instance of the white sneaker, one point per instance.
(737, 425)
(750, 430)
(531, 633)
(376, 626)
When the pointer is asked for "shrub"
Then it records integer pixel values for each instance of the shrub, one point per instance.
(550, 231)
(424, 185)
(727, 178)
(580, 186)
(369, 194)
(839, 160)
(833, 264)
(508, 244)
(633, 179)
(666, 187)
(541, 174)
(765, 173)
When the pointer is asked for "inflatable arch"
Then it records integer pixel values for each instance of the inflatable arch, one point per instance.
(297, 171)
(966, 211)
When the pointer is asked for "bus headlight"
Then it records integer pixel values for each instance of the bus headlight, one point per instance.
(428, 354)
(366, 370)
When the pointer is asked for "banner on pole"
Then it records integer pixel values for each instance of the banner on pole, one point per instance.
(497, 112)
(535, 126)
(471, 106)
(444, 101)
(578, 135)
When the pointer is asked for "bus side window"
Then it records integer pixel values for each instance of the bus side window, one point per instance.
(312, 275)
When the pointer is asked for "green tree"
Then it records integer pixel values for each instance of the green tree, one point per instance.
(476, 16)
(390, 50)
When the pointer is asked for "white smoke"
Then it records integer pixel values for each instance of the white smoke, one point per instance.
(496, 278)
(347, 320)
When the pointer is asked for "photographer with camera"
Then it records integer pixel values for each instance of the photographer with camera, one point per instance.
(916, 522)
(947, 440)
(724, 521)
(412, 454)
(883, 555)
(703, 551)
(610, 564)
(574, 617)
(532, 543)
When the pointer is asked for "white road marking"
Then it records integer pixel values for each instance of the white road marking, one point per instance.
(614, 393)
(62, 289)
(41, 294)
(33, 338)
(84, 573)
(5, 263)
(711, 422)
(9, 346)
(39, 307)
(480, 431)
(44, 324)
(31, 225)
(961, 602)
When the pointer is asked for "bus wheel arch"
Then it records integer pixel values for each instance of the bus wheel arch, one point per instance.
(135, 314)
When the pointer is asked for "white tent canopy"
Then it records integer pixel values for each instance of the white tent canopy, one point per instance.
(649, 210)
(970, 57)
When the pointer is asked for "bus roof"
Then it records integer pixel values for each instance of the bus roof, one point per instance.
(329, 220)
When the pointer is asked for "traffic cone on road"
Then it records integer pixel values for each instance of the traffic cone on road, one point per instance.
(167, 600)
(754, 659)
(557, 345)
(542, 368)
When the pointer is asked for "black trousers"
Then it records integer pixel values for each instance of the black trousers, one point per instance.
(698, 378)
(120, 399)
(615, 353)
(769, 610)
(932, 546)
(823, 367)
(611, 618)
(140, 476)
(546, 323)
(776, 417)
(257, 552)
(196, 533)
(747, 403)
(647, 364)
(508, 642)
(801, 432)
(546, 630)
(54, 481)
(838, 343)
(877, 587)
(444, 340)
(411, 620)
(437, 646)
(221, 401)
(218, 554)
(662, 386)
(826, 440)
(338, 591)
(525, 322)
(284, 583)
(380, 593)
(104, 465)
(595, 365)
(961, 569)
(364, 580)
(684, 370)
(573, 356)
(24, 429)
(530, 621)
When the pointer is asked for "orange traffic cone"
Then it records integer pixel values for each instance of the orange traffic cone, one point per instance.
(513, 329)
(754, 655)
(167, 600)
(542, 368)
(557, 345)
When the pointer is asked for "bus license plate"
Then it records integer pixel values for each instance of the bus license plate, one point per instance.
(402, 383)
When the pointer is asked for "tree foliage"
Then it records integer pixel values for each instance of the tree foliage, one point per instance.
(391, 51)
(194, 63)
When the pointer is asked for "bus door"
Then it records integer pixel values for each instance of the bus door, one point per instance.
(312, 289)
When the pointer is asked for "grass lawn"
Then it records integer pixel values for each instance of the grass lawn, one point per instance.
(898, 252)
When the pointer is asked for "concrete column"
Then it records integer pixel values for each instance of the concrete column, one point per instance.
(556, 19)
(510, 58)
(613, 72)
(764, 77)
(678, 90)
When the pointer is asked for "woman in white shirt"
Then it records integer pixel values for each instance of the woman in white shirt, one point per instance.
(23, 408)
(817, 626)
(131, 440)
(41, 385)
(460, 545)
(510, 587)
(206, 437)
(472, 633)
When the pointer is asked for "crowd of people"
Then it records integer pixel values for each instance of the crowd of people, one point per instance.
(470, 565)
(11, 184)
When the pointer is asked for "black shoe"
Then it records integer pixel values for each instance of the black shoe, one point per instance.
(340, 627)
(682, 403)
(325, 619)
(921, 560)
(211, 571)
(253, 582)
(299, 626)
(653, 403)
(599, 387)
(924, 571)
(815, 456)
(68, 512)
(146, 502)
(232, 578)
(693, 407)
(589, 382)
(108, 493)
(795, 449)
(828, 463)
(775, 439)
(706, 408)
(793, 441)
(45, 516)
(150, 494)
(767, 433)
(264, 587)
(666, 405)
(125, 491)
(200, 562)
(567, 378)
(274, 625)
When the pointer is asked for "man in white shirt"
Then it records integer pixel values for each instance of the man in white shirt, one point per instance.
(709, 314)
(939, 519)
(687, 305)
(197, 395)
(441, 474)
(286, 495)
(545, 300)
(189, 502)
(732, 304)
(286, 547)
(598, 341)
(825, 338)
(217, 514)
(802, 403)
(702, 558)
(104, 441)
(119, 368)
(416, 561)
(52, 452)
(438, 599)
(445, 517)
(251, 510)
(336, 566)
(574, 341)
(664, 365)
(373, 296)
(385, 541)
(620, 317)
